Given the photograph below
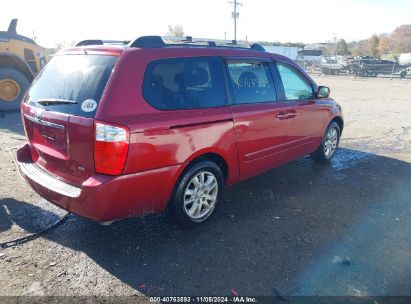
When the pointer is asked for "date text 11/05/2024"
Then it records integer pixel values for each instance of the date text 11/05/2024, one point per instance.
(186, 299)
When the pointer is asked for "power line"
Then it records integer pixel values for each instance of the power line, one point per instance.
(235, 14)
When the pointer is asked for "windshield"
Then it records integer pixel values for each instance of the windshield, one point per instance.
(72, 84)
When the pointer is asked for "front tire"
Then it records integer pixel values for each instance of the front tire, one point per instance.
(196, 194)
(13, 85)
(329, 144)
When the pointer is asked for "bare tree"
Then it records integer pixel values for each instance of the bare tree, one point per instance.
(65, 44)
(401, 39)
(342, 47)
(358, 48)
(385, 45)
(176, 30)
(373, 44)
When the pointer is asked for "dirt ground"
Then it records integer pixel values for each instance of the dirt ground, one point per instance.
(301, 229)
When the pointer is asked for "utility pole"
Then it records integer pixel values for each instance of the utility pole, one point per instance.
(335, 45)
(235, 15)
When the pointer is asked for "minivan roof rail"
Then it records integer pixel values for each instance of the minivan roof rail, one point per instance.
(164, 41)
(102, 42)
(169, 41)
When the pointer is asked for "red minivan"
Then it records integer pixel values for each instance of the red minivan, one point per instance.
(117, 131)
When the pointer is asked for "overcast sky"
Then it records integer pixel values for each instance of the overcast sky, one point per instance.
(272, 20)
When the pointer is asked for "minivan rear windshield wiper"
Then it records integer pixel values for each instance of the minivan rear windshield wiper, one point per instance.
(50, 101)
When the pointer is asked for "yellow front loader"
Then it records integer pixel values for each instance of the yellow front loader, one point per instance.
(20, 61)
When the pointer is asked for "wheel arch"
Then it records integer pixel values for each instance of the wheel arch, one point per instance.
(339, 121)
(202, 155)
(403, 73)
(213, 156)
(12, 61)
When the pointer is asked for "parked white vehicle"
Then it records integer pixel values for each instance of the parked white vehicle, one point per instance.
(405, 59)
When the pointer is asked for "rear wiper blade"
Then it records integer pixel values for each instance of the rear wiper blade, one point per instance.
(50, 101)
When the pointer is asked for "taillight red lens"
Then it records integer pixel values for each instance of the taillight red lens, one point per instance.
(110, 148)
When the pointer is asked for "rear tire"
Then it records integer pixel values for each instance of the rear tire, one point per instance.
(196, 194)
(13, 86)
(403, 74)
(365, 74)
(329, 144)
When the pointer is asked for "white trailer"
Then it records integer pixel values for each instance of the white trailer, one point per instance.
(315, 56)
(288, 51)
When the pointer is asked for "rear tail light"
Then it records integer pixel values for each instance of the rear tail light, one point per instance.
(110, 148)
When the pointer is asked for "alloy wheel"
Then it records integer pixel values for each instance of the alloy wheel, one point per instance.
(201, 195)
(331, 142)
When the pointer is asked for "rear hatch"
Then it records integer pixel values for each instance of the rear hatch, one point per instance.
(58, 113)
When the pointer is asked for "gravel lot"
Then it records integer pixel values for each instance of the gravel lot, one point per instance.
(301, 229)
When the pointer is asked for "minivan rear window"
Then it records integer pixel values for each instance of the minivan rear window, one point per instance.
(72, 84)
(185, 83)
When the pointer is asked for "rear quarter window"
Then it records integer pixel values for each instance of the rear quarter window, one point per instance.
(185, 83)
(78, 78)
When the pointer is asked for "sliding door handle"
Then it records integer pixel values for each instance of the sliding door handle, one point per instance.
(292, 114)
(282, 115)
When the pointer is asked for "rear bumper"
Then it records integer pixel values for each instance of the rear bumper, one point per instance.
(102, 197)
(44, 179)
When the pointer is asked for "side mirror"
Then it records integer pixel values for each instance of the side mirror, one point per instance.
(323, 92)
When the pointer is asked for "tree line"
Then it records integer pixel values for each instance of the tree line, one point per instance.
(393, 44)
